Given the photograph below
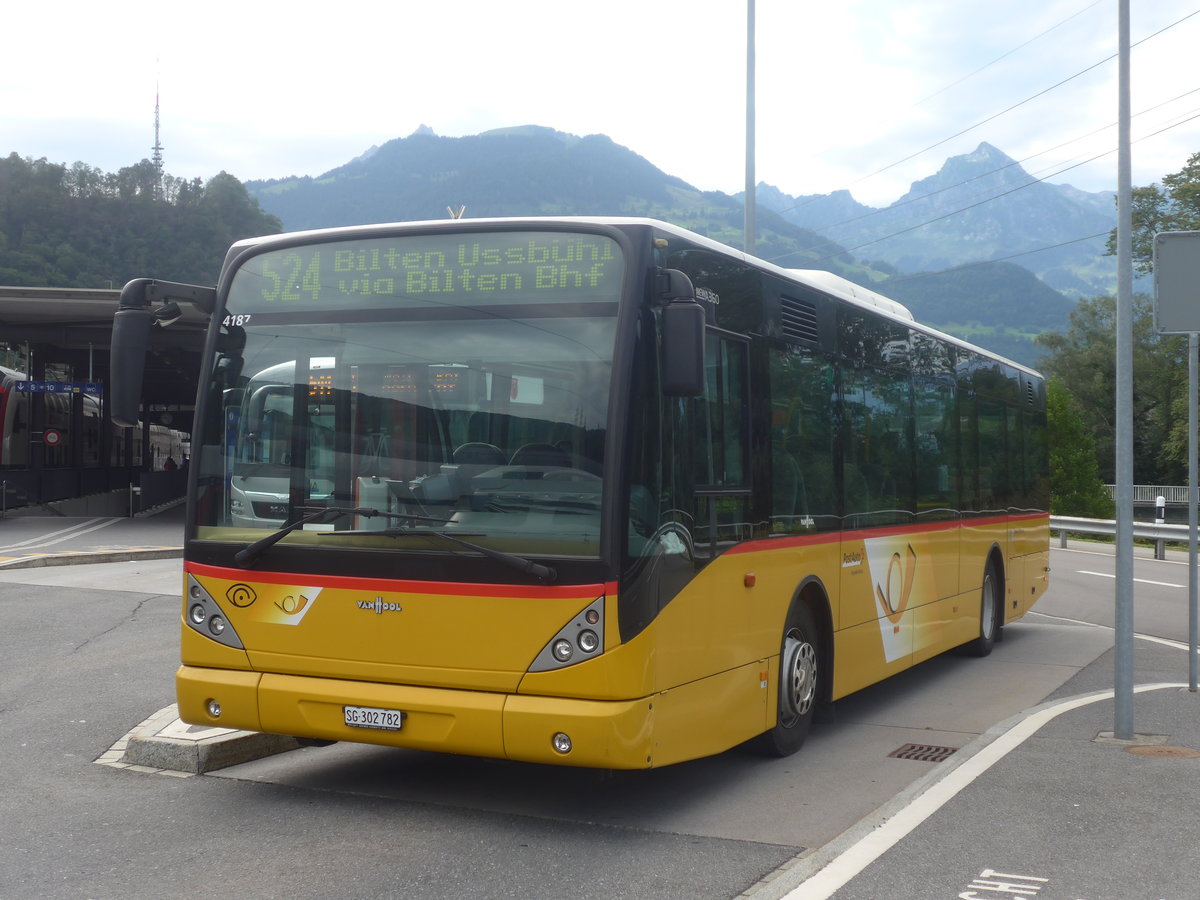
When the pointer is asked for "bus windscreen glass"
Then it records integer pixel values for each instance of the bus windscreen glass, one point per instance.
(453, 382)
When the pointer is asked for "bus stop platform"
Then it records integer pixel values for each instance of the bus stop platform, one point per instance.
(29, 539)
(1044, 805)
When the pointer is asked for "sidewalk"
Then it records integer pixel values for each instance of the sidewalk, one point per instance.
(1045, 805)
(29, 541)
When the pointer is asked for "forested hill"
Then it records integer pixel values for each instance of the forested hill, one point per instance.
(77, 226)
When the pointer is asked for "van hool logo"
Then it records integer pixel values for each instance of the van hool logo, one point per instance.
(380, 606)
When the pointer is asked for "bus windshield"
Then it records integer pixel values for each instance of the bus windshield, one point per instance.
(454, 383)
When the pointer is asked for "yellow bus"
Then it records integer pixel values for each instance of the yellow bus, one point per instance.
(581, 491)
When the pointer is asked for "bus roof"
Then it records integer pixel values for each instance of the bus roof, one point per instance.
(818, 279)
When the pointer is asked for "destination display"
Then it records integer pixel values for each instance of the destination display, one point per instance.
(473, 269)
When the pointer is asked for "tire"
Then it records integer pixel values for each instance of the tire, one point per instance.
(800, 664)
(990, 604)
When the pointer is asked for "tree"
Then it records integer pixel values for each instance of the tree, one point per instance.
(1084, 359)
(80, 227)
(1075, 485)
(1172, 206)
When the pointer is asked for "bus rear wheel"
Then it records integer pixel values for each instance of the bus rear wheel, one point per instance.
(799, 669)
(989, 614)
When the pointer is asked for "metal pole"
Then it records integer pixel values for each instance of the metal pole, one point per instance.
(1193, 582)
(1123, 664)
(750, 227)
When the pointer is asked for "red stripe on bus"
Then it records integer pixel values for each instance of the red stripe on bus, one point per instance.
(859, 534)
(449, 588)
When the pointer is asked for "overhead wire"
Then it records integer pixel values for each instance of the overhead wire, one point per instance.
(1009, 165)
(1008, 109)
(1034, 178)
(1193, 117)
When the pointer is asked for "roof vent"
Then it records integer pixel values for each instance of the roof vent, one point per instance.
(798, 320)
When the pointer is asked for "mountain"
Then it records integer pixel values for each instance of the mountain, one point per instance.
(532, 170)
(526, 171)
(978, 206)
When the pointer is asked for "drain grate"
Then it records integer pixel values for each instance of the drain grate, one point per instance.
(922, 752)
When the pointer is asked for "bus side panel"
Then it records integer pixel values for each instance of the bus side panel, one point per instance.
(708, 627)
(1029, 543)
(886, 571)
(714, 714)
(858, 660)
(977, 542)
(732, 613)
(944, 624)
(1037, 579)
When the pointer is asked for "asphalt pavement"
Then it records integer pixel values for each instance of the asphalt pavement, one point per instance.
(1046, 804)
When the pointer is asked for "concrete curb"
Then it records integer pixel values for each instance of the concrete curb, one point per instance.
(91, 556)
(162, 744)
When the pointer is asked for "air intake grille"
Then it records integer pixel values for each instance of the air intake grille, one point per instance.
(798, 319)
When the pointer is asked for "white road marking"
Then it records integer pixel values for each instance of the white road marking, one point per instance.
(1138, 580)
(63, 534)
(878, 841)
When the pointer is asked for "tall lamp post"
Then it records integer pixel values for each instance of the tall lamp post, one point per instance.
(749, 227)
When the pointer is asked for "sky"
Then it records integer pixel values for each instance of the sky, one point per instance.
(864, 95)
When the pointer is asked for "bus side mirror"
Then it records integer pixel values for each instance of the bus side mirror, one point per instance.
(682, 336)
(683, 349)
(127, 364)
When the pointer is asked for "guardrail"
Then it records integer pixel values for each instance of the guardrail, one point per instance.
(1150, 531)
(1148, 494)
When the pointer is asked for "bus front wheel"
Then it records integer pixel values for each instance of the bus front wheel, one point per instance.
(799, 668)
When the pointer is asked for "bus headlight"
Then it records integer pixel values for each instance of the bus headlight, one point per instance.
(205, 617)
(579, 640)
(588, 641)
(562, 650)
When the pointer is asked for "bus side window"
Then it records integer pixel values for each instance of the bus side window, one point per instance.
(801, 441)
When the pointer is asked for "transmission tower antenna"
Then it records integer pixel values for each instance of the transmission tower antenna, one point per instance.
(156, 157)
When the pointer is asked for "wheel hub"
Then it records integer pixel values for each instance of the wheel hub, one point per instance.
(798, 687)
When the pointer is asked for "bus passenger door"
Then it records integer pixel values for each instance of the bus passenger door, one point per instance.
(707, 622)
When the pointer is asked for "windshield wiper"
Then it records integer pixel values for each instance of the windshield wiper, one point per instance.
(323, 515)
(327, 514)
(544, 574)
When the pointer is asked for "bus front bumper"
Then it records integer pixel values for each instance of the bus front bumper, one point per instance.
(600, 734)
